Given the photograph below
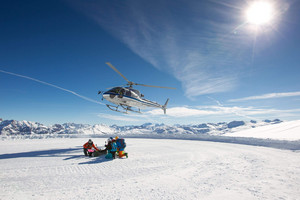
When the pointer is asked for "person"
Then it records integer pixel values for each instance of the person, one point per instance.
(89, 145)
(121, 145)
(108, 145)
(111, 148)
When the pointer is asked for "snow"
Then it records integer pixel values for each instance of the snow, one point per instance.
(284, 131)
(55, 168)
(160, 166)
(13, 127)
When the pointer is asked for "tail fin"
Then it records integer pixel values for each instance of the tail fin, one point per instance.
(164, 107)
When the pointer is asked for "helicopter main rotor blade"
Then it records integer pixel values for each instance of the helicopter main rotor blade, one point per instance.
(130, 83)
(155, 86)
(115, 69)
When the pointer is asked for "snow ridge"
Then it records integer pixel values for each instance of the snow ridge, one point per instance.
(14, 127)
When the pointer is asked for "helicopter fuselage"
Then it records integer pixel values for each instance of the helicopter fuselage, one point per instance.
(126, 96)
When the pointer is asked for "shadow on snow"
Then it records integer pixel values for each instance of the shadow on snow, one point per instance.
(57, 153)
(95, 160)
(43, 153)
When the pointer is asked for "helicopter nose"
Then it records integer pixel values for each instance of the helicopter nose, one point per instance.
(106, 95)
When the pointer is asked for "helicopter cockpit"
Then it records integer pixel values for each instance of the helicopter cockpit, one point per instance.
(127, 91)
(115, 90)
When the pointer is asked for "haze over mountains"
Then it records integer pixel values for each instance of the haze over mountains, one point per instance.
(14, 127)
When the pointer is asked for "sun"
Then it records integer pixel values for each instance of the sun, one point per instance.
(260, 13)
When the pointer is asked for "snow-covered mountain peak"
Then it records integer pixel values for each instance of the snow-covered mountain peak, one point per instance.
(14, 127)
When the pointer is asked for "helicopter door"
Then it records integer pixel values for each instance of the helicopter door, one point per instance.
(121, 94)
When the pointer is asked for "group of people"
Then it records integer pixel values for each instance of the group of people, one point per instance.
(114, 146)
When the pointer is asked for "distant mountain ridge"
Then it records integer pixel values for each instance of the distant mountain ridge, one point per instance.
(14, 127)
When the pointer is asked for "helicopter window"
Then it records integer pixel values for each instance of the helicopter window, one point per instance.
(136, 92)
(115, 90)
(128, 93)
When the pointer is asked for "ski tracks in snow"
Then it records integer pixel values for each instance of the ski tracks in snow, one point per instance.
(155, 169)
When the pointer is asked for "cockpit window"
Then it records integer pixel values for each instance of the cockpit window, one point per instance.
(115, 90)
(127, 91)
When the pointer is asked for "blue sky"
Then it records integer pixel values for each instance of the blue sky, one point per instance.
(53, 54)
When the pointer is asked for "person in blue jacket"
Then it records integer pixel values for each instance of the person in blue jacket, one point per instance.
(111, 148)
(121, 147)
(114, 148)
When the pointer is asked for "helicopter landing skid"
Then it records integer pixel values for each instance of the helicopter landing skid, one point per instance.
(115, 108)
(125, 108)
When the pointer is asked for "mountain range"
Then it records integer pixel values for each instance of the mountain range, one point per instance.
(14, 127)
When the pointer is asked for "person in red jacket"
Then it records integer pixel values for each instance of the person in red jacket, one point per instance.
(89, 145)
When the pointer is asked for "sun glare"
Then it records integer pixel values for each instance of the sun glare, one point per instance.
(259, 13)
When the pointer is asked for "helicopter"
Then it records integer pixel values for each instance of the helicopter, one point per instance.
(125, 98)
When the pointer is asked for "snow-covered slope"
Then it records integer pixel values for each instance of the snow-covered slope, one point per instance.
(156, 169)
(283, 131)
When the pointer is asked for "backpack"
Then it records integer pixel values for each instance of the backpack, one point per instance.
(121, 143)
